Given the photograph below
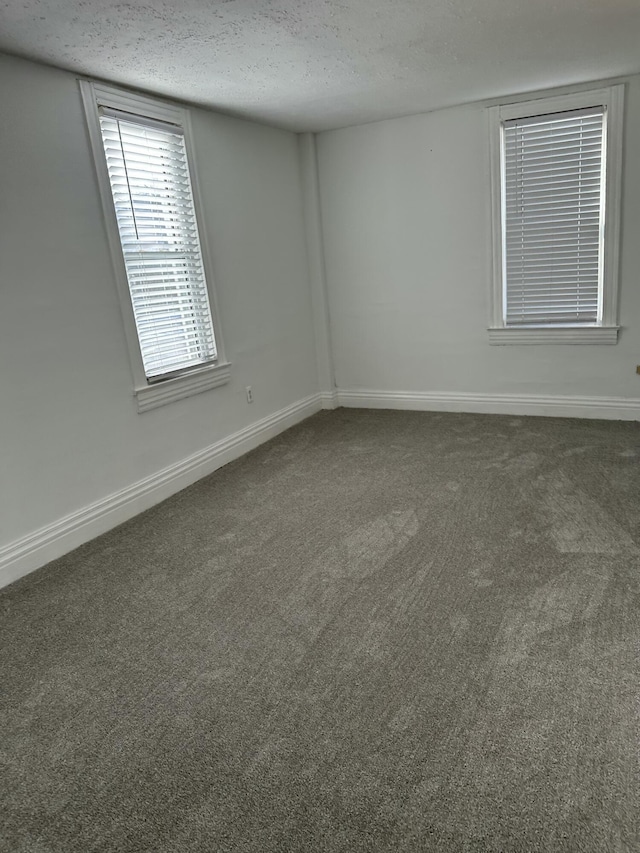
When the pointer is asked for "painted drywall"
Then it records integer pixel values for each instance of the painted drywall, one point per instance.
(70, 432)
(406, 223)
(315, 254)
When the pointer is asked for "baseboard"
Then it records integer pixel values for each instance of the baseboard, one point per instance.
(33, 551)
(607, 408)
(329, 399)
(36, 549)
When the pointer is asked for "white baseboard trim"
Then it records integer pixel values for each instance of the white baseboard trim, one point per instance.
(607, 408)
(329, 399)
(35, 550)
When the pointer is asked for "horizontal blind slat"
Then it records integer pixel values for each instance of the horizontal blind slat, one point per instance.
(149, 177)
(552, 186)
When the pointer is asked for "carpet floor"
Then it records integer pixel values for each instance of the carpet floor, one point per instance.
(381, 631)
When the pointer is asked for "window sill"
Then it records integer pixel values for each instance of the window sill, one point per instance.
(599, 335)
(167, 391)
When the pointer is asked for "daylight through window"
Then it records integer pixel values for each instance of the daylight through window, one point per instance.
(149, 177)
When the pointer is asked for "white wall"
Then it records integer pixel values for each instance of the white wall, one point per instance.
(407, 239)
(405, 216)
(70, 433)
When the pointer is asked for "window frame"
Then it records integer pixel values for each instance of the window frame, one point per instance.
(157, 392)
(606, 331)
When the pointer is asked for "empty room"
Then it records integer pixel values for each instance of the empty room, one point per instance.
(320, 457)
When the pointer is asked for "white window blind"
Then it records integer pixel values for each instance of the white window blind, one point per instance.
(553, 218)
(149, 176)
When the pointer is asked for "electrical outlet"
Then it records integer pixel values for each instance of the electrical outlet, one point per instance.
(249, 394)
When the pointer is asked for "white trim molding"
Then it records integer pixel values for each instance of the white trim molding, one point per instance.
(96, 95)
(606, 331)
(329, 399)
(604, 408)
(601, 335)
(168, 390)
(48, 543)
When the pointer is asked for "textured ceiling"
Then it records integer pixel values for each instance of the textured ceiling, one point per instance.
(319, 64)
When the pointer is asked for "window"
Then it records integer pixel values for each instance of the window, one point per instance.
(141, 147)
(555, 192)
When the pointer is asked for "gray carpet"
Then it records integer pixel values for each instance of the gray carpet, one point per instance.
(382, 631)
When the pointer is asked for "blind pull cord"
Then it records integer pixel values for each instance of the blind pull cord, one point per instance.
(126, 174)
